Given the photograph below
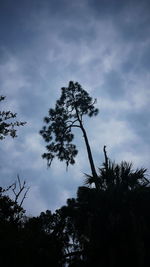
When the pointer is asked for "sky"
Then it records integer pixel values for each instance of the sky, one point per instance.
(102, 44)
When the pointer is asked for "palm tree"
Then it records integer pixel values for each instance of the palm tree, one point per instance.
(115, 217)
(121, 176)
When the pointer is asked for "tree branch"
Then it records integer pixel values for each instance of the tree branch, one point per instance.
(21, 188)
(69, 121)
(106, 158)
(75, 125)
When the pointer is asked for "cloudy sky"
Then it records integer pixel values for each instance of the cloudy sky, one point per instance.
(102, 44)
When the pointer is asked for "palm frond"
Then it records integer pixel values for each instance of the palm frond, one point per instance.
(89, 180)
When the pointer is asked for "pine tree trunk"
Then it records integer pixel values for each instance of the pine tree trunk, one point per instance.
(90, 157)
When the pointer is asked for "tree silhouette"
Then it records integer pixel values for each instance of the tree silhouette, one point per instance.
(10, 211)
(7, 123)
(114, 230)
(112, 224)
(68, 113)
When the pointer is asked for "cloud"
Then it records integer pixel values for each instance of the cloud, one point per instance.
(13, 81)
(115, 133)
(34, 202)
(138, 91)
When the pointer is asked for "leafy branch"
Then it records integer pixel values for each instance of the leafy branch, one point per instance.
(7, 126)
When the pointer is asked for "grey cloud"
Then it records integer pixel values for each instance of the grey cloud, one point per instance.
(113, 83)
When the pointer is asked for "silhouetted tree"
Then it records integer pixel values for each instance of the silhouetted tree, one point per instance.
(112, 224)
(11, 216)
(68, 113)
(42, 241)
(7, 123)
(20, 191)
(10, 211)
(35, 241)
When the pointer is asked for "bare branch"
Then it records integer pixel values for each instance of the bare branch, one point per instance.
(72, 122)
(106, 158)
(24, 196)
(17, 194)
(19, 180)
(75, 125)
(8, 188)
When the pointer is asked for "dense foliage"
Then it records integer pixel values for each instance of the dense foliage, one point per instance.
(7, 123)
(109, 227)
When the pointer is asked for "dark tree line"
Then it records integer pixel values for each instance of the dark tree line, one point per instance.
(109, 227)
